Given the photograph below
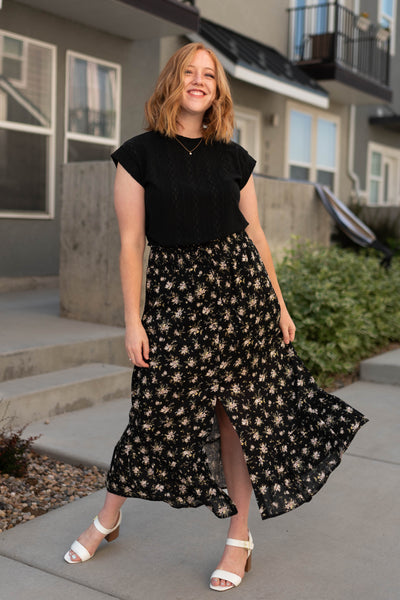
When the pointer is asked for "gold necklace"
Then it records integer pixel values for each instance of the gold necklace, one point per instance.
(190, 152)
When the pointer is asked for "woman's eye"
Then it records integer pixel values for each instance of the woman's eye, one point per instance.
(210, 75)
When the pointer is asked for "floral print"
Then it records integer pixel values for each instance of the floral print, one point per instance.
(212, 318)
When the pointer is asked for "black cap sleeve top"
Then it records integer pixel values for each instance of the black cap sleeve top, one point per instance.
(189, 199)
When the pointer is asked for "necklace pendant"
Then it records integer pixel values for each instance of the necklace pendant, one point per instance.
(190, 153)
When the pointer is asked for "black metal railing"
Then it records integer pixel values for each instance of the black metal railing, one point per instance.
(88, 121)
(332, 33)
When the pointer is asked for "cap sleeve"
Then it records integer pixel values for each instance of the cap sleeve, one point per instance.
(246, 165)
(131, 160)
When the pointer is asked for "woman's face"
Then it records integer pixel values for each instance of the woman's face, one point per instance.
(199, 84)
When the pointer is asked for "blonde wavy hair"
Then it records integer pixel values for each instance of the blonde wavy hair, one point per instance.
(162, 108)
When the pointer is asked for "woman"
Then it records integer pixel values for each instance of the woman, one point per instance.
(214, 340)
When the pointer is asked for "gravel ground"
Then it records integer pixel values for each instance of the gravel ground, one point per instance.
(48, 484)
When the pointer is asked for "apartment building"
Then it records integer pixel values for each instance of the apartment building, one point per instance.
(316, 88)
(349, 139)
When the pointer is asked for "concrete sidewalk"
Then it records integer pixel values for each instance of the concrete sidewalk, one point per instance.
(344, 545)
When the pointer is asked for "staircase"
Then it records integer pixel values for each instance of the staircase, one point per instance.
(50, 365)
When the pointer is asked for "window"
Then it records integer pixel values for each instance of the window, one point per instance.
(387, 18)
(300, 145)
(383, 175)
(313, 147)
(13, 59)
(247, 131)
(92, 108)
(326, 152)
(27, 119)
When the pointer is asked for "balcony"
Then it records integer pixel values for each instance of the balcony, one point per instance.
(346, 53)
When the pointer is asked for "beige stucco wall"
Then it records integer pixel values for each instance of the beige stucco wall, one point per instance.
(262, 20)
(90, 287)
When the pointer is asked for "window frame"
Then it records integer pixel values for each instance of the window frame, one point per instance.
(313, 167)
(252, 116)
(24, 69)
(388, 153)
(83, 137)
(392, 21)
(49, 132)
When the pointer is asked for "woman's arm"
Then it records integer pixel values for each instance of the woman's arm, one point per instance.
(129, 206)
(248, 206)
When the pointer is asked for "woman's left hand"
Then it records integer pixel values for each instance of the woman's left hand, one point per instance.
(287, 326)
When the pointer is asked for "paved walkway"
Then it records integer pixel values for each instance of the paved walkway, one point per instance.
(343, 545)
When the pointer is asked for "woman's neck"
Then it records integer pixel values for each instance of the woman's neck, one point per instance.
(190, 126)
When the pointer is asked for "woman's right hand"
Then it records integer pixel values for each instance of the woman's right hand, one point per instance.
(137, 345)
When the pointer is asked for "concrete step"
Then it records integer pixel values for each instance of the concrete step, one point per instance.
(36, 360)
(384, 368)
(34, 339)
(33, 398)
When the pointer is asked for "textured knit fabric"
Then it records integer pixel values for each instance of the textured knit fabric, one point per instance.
(189, 199)
(212, 318)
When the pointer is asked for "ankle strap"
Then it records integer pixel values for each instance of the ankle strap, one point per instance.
(249, 545)
(104, 530)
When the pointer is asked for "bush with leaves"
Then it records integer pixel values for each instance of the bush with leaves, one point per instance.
(14, 448)
(345, 305)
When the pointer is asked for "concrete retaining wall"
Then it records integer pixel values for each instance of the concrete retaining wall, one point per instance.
(90, 287)
(378, 217)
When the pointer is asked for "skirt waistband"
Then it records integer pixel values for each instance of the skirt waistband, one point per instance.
(224, 242)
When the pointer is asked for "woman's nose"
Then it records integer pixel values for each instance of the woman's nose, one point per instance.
(198, 77)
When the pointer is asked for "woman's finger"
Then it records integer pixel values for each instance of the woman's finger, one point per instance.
(146, 349)
(138, 359)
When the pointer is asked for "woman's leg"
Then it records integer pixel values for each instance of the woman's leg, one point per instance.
(239, 488)
(108, 517)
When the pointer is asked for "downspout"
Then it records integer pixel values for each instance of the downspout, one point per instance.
(350, 166)
(352, 133)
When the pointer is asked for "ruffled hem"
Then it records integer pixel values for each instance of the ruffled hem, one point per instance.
(282, 498)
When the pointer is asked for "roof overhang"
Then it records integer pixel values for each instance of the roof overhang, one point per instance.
(390, 122)
(263, 78)
(131, 19)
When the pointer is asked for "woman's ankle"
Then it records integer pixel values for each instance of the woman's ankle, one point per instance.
(108, 518)
(238, 531)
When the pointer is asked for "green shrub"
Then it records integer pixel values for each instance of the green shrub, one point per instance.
(345, 306)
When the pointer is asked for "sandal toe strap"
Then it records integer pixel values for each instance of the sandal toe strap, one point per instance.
(80, 551)
(232, 577)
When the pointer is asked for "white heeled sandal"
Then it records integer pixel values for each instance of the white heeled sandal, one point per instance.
(80, 551)
(232, 577)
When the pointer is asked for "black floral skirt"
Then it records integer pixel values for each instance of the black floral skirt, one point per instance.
(212, 318)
